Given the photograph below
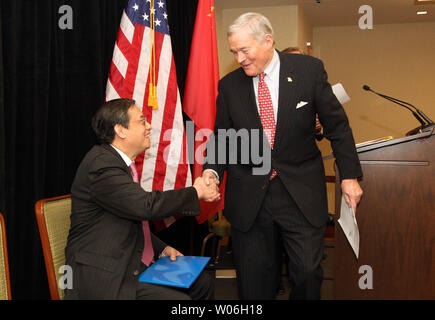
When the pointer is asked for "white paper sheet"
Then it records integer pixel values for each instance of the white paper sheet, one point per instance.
(340, 93)
(349, 225)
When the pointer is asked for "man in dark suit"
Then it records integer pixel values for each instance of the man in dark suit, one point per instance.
(109, 243)
(318, 128)
(278, 95)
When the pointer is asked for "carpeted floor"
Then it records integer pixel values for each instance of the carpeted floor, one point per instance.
(226, 285)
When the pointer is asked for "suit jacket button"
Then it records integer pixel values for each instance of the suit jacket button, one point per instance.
(136, 272)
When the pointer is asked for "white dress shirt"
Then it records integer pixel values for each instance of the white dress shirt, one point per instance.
(124, 157)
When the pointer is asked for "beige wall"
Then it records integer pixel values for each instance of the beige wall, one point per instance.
(397, 60)
(305, 30)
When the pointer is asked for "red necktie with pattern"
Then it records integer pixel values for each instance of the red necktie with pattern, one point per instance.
(148, 252)
(266, 113)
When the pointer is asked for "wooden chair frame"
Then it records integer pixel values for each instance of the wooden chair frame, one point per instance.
(5, 252)
(46, 248)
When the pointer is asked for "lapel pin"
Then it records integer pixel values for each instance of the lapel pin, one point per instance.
(289, 79)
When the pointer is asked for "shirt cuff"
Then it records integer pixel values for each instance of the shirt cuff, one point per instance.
(215, 173)
(161, 253)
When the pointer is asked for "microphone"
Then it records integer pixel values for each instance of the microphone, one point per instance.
(426, 124)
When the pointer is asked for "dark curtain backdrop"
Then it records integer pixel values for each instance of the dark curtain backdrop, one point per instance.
(51, 83)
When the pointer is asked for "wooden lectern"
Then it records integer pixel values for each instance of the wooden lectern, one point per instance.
(396, 220)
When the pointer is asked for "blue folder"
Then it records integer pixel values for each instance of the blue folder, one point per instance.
(179, 273)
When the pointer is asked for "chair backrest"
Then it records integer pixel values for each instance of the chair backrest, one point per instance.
(53, 217)
(220, 226)
(5, 284)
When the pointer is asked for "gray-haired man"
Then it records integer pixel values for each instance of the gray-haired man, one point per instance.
(279, 94)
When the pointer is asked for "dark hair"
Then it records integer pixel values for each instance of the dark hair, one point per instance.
(111, 113)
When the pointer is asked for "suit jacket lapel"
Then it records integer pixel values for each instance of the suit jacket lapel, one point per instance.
(247, 96)
(287, 94)
(109, 148)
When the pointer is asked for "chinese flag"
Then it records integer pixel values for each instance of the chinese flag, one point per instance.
(200, 93)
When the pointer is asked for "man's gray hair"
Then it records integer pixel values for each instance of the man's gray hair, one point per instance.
(259, 25)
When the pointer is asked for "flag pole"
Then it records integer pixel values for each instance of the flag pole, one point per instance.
(152, 95)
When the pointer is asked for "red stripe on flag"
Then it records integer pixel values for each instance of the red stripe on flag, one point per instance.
(123, 43)
(132, 55)
(146, 110)
(116, 78)
(167, 124)
(183, 167)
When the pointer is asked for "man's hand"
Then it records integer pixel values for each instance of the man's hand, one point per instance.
(206, 192)
(319, 127)
(209, 177)
(171, 252)
(352, 192)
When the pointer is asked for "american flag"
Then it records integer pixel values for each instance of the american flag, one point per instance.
(164, 165)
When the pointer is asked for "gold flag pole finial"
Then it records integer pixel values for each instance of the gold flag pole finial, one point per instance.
(152, 95)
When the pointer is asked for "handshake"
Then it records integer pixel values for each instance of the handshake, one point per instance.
(207, 187)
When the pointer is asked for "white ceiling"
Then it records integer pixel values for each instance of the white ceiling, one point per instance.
(345, 12)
